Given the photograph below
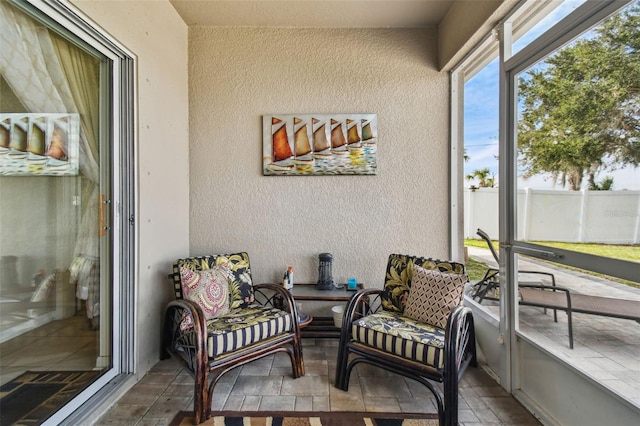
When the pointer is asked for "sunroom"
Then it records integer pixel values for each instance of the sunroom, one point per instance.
(171, 167)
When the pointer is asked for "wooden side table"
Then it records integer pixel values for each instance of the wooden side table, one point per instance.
(321, 326)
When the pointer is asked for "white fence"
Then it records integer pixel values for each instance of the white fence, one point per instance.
(610, 217)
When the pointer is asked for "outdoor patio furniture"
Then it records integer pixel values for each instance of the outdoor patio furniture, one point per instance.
(488, 286)
(414, 327)
(555, 297)
(220, 321)
(562, 299)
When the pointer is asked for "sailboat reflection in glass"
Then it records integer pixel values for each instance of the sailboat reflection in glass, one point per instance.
(319, 144)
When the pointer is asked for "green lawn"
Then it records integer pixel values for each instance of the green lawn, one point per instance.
(624, 252)
(475, 269)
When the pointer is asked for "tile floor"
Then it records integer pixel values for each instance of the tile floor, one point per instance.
(267, 384)
(69, 343)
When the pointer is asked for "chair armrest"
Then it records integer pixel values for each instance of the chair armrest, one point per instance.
(365, 299)
(276, 296)
(362, 303)
(188, 344)
(459, 340)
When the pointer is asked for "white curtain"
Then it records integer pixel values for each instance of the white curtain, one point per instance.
(40, 68)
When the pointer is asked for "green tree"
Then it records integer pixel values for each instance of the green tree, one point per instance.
(580, 109)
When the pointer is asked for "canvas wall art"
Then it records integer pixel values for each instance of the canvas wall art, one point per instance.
(39, 144)
(319, 144)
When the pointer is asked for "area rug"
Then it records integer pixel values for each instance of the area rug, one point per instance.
(336, 418)
(35, 395)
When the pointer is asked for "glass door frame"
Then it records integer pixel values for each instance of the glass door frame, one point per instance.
(118, 86)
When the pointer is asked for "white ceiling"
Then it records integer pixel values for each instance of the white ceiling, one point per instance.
(313, 13)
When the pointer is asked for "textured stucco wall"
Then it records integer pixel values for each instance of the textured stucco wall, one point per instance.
(154, 32)
(238, 74)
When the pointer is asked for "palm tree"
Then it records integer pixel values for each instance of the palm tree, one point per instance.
(485, 178)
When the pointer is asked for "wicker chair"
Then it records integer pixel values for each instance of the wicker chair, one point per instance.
(376, 331)
(260, 320)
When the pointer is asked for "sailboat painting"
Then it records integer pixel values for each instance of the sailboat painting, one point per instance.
(280, 145)
(369, 132)
(302, 145)
(354, 129)
(338, 141)
(319, 144)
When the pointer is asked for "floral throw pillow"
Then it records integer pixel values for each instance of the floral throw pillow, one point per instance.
(433, 295)
(208, 288)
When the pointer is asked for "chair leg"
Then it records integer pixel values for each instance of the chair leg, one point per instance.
(346, 375)
(201, 403)
(298, 359)
(450, 401)
(341, 368)
(570, 325)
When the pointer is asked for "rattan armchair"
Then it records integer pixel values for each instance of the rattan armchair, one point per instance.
(376, 331)
(261, 320)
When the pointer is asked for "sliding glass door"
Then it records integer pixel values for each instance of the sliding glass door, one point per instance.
(61, 175)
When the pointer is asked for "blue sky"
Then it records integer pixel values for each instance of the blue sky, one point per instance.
(481, 117)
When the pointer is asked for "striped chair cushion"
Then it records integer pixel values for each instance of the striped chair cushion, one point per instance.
(401, 336)
(243, 327)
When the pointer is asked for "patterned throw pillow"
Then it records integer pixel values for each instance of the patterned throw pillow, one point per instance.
(240, 283)
(433, 294)
(208, 288)
(397, 281)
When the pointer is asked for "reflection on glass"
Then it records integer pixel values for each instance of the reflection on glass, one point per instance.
(52, 315)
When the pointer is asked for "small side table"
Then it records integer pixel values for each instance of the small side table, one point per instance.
(320, 326)
(304, 319)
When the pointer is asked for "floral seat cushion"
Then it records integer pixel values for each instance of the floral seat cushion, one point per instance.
(402, 336)
(243, 327)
